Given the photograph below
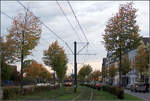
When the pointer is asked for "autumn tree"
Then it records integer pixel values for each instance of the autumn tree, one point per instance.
(24, 35)
(56, 58)
(112, 71)
(37, 71)
(96, 74)
(6, 72)
(27, 63)
(141, 60)
(6, 58)
(122, 33)
(126, 64)
(104, 73)
(84, 72)
(7, 52)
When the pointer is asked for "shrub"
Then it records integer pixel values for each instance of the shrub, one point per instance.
(115, 90)
(10, 92)
(27, 91)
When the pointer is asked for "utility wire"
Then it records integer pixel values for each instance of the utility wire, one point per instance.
(40, 38)
(13, 19)
(77, 21)
(68, 19)
(7, 15)
(48, 28)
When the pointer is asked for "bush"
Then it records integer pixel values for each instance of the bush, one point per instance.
(10, 92)
(27, 91)
(118, 91)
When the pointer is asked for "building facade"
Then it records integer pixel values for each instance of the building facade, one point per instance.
(132, 76)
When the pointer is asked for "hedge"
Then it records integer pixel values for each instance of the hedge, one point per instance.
(115, 90)
(13, 91)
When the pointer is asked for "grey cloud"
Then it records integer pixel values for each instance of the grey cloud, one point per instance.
(93, 16)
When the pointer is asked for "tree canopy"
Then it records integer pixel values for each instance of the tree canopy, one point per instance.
(56, 58)
(96, 74)
(112, 71)
(122, 33)
(84, 71)
(23, 34)
(126, 64)
(36, 71)
(142, 60)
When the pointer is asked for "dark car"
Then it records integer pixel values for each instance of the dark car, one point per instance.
(68, 83)
(140, 87)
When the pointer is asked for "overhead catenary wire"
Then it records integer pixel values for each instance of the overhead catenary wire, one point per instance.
(43, 40)
(13, 19)
(48, 28)
(7, 15)
(68, 20)
(77, 21)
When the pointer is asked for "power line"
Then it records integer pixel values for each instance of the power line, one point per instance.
(68, 19)
(7, 15)
(48, 28)
(12, 19)
(77, 21)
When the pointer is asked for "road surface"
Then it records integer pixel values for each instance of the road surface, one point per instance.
(144, 96)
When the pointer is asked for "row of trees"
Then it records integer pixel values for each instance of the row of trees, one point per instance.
(23, 36)
(86, 73)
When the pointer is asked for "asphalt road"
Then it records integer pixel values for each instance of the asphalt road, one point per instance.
(144, 96)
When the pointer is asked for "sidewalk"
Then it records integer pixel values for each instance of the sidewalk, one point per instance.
(144, 96)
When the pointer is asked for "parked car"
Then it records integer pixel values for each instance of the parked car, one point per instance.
(98, 85)
(68, 83)
(88, 84)
(129, 86)
(140, 87)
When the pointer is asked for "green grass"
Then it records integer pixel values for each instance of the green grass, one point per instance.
(85, 94)
(103, 95)
(66, 93)
(63, 93)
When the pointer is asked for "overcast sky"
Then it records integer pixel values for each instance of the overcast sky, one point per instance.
(92, 15)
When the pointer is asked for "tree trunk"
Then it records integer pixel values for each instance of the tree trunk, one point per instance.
(120, 66)
(54, 80)
(22, 63)
(60, 83)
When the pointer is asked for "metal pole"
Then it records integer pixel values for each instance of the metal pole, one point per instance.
(0, 69)
(75, 67)
(149, 54)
